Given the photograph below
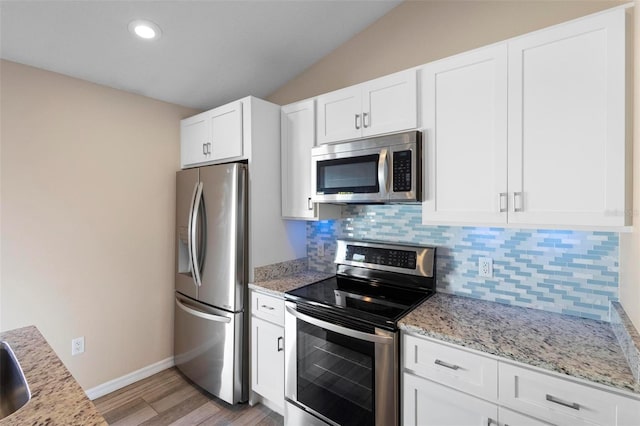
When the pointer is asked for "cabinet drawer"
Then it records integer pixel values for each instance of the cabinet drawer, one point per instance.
(563, 401)
(452, 367)
(270, 308)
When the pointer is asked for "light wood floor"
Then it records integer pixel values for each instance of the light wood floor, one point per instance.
(167, 398)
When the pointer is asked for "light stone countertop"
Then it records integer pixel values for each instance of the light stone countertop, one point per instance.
(577, 347)
(278, 286)
(56, 397)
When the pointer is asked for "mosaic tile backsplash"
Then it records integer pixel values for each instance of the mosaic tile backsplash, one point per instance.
(570, 272)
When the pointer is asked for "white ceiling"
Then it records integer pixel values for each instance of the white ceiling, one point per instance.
(210, 52)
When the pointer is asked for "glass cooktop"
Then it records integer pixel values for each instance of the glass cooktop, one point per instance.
(362, 299)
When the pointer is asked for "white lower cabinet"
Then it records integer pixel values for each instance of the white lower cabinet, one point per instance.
(426, 403)
(562, 401)
(267, 350)
(511, 418)
(443, 385)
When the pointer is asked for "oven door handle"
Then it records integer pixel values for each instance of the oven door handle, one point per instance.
(368, 337)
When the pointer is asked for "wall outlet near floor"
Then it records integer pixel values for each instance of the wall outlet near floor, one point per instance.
(77, 345)
(485, 267)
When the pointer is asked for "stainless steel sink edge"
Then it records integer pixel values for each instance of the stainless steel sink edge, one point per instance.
(14, 388)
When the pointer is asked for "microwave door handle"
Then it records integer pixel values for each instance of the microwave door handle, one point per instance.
(360, 335)
(194, 239)
(383, 171)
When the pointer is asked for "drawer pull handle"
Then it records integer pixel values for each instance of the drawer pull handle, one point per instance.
(269, 308)
(555, 400)
(280, 346)
(446, 364)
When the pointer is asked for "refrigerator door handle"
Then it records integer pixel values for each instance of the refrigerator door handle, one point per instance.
(192, 233)
(189, 233)
(201, 314)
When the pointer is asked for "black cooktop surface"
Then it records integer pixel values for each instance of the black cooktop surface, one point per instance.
(372, 302)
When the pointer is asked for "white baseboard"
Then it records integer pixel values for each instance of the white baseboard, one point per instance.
(127, 379)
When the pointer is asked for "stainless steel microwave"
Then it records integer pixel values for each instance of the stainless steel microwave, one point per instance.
(385, 169)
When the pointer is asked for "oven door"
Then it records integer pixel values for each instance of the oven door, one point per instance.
(342, 374)
(350, 176)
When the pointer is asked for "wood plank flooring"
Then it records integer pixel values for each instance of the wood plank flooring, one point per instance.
(167, 398)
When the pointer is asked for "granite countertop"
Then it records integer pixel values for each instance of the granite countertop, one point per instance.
(577, 347)
(56, 397)
(278, 286)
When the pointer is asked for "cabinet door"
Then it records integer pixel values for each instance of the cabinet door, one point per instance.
(512, 418)
(567, 123)
(465, 116)
(565, 402)
(298, 137)
(226, 131)
(426, 403)
(267, 361)
(389, 104)
(340, 115)
(194, 136)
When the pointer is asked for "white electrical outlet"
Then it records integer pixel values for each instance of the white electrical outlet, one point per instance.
(485, 267)
(77, 345)
(321, 250)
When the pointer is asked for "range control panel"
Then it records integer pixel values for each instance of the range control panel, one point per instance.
(380, 256)
(407, 259)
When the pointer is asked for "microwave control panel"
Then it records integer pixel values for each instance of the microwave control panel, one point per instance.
(402, 171)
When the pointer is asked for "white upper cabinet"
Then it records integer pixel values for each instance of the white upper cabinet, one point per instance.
(384, 105)
(194, 137)
(226, 131)
(465, 143)
(530, 131)
(212, 136)
(297, 138)
(567, 123)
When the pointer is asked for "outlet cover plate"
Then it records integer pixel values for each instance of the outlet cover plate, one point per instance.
(485, 267)
(77, 345)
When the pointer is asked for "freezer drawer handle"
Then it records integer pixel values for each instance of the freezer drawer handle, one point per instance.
(202, 315)
(572, 405)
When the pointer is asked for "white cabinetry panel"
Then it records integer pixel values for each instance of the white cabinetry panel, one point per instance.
(426, 403)
(384, 105)
(567, 123)
(465, 100)
(298, 133)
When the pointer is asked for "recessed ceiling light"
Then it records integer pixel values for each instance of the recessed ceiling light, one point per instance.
(145, 29)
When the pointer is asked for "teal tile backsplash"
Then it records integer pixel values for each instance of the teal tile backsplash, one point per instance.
(571, 272)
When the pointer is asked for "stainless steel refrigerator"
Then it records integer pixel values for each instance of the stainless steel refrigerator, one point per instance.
(210, 333)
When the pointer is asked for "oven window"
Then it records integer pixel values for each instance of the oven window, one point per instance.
(335, 375)
(356, 175)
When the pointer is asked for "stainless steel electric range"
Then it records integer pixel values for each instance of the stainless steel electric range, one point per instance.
(341, 334)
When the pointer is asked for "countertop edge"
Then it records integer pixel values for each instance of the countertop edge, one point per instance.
(56, 396)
